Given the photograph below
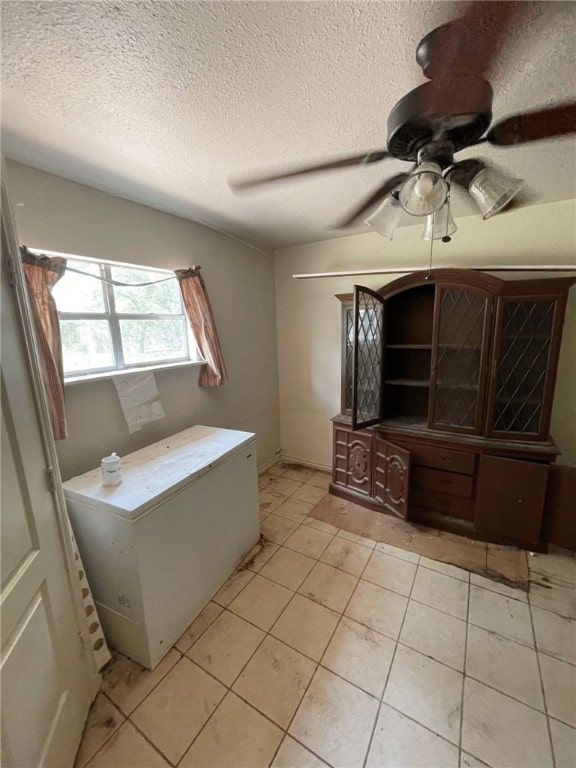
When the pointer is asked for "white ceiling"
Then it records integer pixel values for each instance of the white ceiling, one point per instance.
(162, 102)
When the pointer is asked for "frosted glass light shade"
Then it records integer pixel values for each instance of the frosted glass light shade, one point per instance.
(492, 190)
(385, 218)
(425, 191)
(439, 224)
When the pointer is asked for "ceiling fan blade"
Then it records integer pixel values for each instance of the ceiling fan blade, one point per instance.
(534, 126)
(388, 186)
(364, 159)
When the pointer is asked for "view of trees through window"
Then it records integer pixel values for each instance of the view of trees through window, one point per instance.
(110, 327)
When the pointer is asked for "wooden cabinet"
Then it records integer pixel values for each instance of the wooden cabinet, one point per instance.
(452, 373)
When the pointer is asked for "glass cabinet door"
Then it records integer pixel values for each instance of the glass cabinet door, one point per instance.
(525, 329)
(368, 358)
(459, 359)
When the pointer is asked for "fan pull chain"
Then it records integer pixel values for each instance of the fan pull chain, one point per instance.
(447, 238)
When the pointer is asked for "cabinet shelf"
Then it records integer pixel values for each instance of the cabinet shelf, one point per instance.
(408, 382)
(409, 346)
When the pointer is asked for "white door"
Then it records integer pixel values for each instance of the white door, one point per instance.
(47, 680)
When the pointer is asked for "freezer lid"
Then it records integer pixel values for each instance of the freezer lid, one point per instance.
(157, 471)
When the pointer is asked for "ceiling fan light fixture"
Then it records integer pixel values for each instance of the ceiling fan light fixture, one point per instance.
(385, 218)
(425, 191)
(492, 190)
(440, 224)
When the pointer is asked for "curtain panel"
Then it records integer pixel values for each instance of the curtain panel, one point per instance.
(199, 313)
(42, 273)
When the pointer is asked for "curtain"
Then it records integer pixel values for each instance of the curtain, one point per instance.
(42, 273)
(199, 313)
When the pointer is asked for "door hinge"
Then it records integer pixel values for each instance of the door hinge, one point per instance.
(51, 477)
(82, 642)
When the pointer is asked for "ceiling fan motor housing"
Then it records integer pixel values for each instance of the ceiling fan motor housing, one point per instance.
(455, 109)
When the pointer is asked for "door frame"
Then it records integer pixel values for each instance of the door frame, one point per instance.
(24, 313)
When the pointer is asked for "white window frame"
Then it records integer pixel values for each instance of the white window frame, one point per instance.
(191, 356)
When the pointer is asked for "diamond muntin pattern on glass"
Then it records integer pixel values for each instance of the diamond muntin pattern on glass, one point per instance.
(523, 365)
(459, 356)
(369, 350)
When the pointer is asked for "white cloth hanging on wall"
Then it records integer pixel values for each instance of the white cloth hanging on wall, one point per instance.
(139, 399)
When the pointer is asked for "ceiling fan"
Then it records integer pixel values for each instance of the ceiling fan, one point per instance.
(449, 113)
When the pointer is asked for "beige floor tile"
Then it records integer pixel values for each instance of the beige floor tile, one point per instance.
(265, 552)
(435, 634)
(200, 624)
(283, 485)
(309, 493)
(468, 761)
(293, 510)
(505, 665)
(128, 749)
(309, 541)
(360, 655)
(403, 554)
(127, 683)
(232, 587)
(226, 646)
(276, 470)
(175, 711)
(269, 500)
(299, 473)
(503, 732)
(496, 586)
(236, 736)
(320, 525)
(320, 480)
(400, 742)
(555, 635)
(555, 566)
(390, 572)
(563, 744)
(293, 755)
(427, 691)
(328, 586)
(445, 568)
(103, 721)
(559, 681)
(501, 615)
(362, 540)
(346, 556)
(335, 720)
(277, 529)
(558, 597)
(275, 679)
(288, 568)
(377, 608)
(441, 592)
(261, 602)
(306, 626)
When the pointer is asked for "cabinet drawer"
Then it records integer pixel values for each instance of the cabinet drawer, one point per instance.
(443, 458)
(454, 506)
(446, 482)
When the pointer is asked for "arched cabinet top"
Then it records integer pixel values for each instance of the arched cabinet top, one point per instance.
(553, 286)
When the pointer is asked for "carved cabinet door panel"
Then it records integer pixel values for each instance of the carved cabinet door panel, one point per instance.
(391, 477)
(359, 463)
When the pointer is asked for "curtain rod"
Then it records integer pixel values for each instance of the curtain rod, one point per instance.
(406, 270)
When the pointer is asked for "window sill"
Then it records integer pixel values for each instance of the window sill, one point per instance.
(126, 371)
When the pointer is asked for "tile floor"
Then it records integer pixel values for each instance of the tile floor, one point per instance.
(331, 649)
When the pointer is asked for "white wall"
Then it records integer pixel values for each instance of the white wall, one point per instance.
(308, 315)
(55, 214)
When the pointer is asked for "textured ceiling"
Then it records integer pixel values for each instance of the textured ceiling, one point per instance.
(161, 102)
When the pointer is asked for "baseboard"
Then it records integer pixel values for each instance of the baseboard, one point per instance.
(305, 463)
(273, 461)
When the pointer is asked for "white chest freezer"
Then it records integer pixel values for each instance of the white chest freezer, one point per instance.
(157, 547)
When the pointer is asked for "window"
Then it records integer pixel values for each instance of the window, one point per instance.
(107, 327)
